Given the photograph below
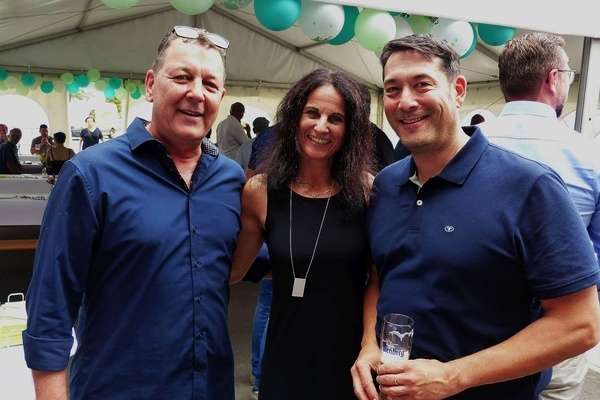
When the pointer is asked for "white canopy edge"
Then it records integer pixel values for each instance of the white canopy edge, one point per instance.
(565, 18)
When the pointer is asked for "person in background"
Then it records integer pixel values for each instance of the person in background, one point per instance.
(9, 154)
(230, 132)
(136, 245)
(477, 119)
(484, 283)
(308, 203)
(90, 135)
(3, 133)
(535, 78)
(243, 157)
(384, 149)
(400, 151)
(263, 304)
(59, 154)
(41, 144)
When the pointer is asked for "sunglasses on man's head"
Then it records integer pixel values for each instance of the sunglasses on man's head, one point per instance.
(189, 32)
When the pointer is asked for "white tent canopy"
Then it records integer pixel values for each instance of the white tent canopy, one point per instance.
(58, 36)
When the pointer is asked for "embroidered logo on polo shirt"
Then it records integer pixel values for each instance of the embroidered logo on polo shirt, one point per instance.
(449, 228)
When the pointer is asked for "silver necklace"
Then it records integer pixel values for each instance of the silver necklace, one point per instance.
(308, 192)
(299, 283)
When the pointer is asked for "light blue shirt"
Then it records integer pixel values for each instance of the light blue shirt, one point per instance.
(531, 129)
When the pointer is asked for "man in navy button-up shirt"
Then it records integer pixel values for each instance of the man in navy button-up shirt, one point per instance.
(136, 245)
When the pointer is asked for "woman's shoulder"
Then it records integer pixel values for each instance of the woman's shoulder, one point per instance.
(256, 184)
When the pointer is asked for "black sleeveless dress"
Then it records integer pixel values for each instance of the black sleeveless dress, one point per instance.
(312, 341)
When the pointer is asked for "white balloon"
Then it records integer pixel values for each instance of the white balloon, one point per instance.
(11, 82)
(321, 21)
(403, 28)
(59, 86)
(458, 33)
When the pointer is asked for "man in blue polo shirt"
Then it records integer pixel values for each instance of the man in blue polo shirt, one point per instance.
(481, 247)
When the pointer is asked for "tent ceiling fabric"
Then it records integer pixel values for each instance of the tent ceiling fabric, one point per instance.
(55, 36)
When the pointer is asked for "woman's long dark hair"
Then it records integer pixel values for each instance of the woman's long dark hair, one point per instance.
(281, 160)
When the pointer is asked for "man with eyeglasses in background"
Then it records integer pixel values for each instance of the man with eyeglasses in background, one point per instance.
(136, 246)
(535, 79)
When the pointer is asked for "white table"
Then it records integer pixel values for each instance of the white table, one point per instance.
(33, 168)
(23, 199)
(23, 184)
(22, 210)
(29, 158)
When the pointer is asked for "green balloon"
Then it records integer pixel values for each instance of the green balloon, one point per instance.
(374, 29)
(419, 23)
(93, 74)
(67, 78)
(192, 7)
(347, 32)
(101, 85)
(130, 87)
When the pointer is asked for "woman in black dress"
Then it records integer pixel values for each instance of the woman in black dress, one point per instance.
(308, 203)
(91, 135)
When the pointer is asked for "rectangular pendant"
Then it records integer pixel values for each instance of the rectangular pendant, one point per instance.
(298, 289)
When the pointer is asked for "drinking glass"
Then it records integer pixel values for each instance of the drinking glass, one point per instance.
(396, 337)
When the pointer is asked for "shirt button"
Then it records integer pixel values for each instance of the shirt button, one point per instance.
(419, 202)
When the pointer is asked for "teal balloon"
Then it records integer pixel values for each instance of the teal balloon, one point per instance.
(47, 87)
(495, 35)
(3, 74)
(115, 82)
(137, 94)
(28, 79)
(347, 32)
(109, 92)
(72, 87)
(82, 80)
(473, 45)
(277, 15)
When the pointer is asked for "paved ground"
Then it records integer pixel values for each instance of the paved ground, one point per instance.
(15, 378)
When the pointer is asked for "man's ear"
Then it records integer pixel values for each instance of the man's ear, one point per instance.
(460, 90)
